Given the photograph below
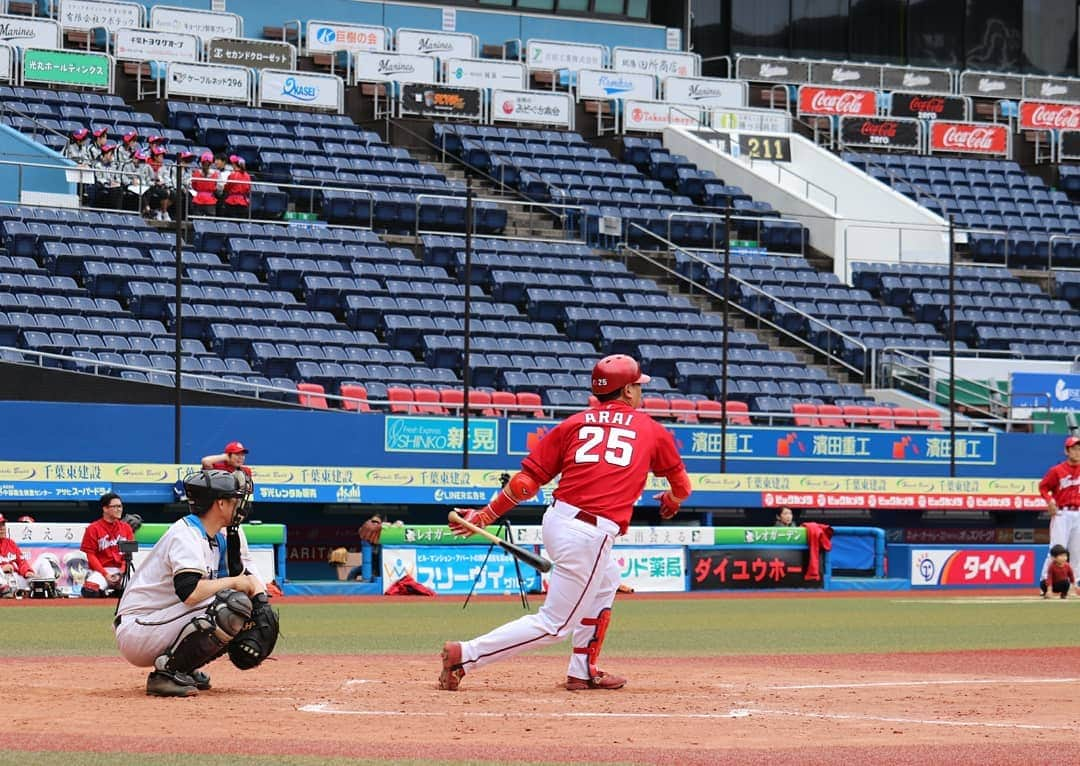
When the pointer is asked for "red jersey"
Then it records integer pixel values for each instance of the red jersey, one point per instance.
(230, 469)
(604, 455)
(1062, 484)
(1058, 572)
(101, 544)
(11, 554)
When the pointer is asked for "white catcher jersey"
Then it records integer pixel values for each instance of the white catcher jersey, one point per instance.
(183, 548)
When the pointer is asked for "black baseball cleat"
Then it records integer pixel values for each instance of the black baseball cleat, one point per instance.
(163, 684)
(202, 680)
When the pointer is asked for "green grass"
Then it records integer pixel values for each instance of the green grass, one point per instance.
(640, 627)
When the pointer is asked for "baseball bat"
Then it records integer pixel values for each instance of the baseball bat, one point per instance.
(534, 560)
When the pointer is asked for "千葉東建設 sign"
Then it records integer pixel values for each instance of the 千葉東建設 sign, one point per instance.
(27, 32)
(320, 91)
(890, 132)
(540, 107)
(208, 81)
(484, 73)
(202, 23)
(443, 100)
(330, 36)
(424, 42)
(382, 66)
(151, 45)
(254, 54)
(750, 568)
(91, 14)
(88, 70)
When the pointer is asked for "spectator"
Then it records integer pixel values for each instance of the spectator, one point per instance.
(234, 458)
(224, 168)
(78, 149)
(101, 137)
(237, 191)
(162, 184)
(15, 570)
(108, 178)
(204, 182)
(183, 159)
(128, 148)
(101, 544)
(1059, 575)
(139, 177)
(785, 518)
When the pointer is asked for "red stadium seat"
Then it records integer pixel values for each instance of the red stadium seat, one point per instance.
(504, 404)
(707, 409)
(683, 410)
(737, 413)
(427, 401)
(805, 414)
(531, 402)
(855, 415)
(355, 392)
(656, 407)
(905, 417)
(929, 419)
(480, 401)
(881, 417)
(401, 400)
(829, 416)
(312, 395)
(453, 399)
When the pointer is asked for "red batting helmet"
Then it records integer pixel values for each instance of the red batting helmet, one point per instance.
(613, 372)
(1071, 441)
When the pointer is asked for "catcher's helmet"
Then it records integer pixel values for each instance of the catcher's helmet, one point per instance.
(205, 487)
(613, 372)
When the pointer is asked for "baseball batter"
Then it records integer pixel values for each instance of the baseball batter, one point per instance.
(181, 608)
(101, 544)
(604, 455)
(1060, 488)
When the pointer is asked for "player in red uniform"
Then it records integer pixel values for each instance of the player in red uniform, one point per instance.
(1060, 489)
(101, 544)
(232, 459)
(15, 570)
(604, 455)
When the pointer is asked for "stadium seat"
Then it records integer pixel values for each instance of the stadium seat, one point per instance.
(428, 401)
(401, 400)
(530, 404)
(737, 413)
(805, 415)
(929, 418)
(855, 415)
(882, 417)
(707, 410)
(312, 395)
(830, 416)
(656, 407)
(356, 392)
(480, 401)
(683, 410)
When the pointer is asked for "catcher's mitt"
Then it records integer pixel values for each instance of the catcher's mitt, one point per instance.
(256, 641)
(371, 530)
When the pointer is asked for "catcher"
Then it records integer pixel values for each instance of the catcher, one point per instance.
(195, 596)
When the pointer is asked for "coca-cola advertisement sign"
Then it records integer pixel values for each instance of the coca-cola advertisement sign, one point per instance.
(969, 137)
(886, 132)
(834, 101)
(1042, 115)
(928, 106)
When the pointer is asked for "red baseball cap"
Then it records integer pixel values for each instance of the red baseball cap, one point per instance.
(1071, 441)
(235, 448)
(2, 519)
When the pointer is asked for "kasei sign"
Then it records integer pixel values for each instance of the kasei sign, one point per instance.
(1043, 115)
(149, 45)
(382, 66)
(330, 36)
(749, 568)
(202, 23)
(424, 42)
(979, 567)
(532, 106)
(895, 132)
(321, 91)
(28, 32)
(89, 14)
(654, 116)
(443, 100)
(969, 137)
(833, 101)
(928, 107)
(605, 84)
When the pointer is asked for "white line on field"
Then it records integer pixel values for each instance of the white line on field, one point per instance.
(355, 681)
(893, 719)
(973, 600)
(326, 709)
(953, 682)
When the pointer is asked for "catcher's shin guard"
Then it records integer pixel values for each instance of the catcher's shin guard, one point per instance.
(592, 649)
(208, 634)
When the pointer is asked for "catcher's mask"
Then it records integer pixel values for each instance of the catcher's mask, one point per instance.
(204, 488)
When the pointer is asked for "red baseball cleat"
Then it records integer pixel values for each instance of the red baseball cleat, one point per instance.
(601, 681)
(452, 670)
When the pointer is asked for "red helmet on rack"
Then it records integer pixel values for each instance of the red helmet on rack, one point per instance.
(613, 372)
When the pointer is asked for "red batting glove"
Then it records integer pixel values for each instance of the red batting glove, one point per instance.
(669, 506)
(481, 517)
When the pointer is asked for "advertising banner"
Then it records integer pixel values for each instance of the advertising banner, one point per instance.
(7, 59)
(706, 91)
(1042, 390)
(654, 116)
(974, 567)
(453, 570)
(330, 36)
(918, 79)
(204, 24)
(992, 85)
(1052, 88)
(208, 81)
(251, 53)
(547, 54)
(29, 32)
(771, 69)
(150, 45)
(442, 101)
(533, 106)
(484, 73)
(87, 70)
(845, 74)
(659, 63)
(890, 132)
(321, 91)
(434, 435)
(382, 66)
(1041, 115)
(749, 569)
(424, 42)
(756, 120)
(834, 101)
(88, 14)
(969, 137)
(652, 570)
(925, 106)
(605, 84)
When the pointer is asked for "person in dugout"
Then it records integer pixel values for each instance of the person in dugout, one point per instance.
(101, 544)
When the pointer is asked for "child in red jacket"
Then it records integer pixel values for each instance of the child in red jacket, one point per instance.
(1059, 576)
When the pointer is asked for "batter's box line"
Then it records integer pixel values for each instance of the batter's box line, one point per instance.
(326, 709)
(936, 682)
(893, 719)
